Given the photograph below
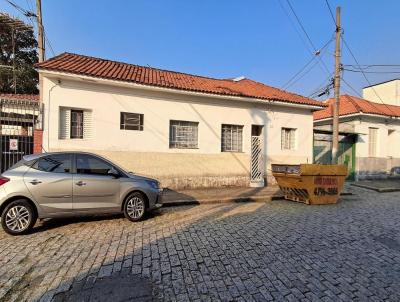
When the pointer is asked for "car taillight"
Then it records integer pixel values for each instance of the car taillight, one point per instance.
(3, 180)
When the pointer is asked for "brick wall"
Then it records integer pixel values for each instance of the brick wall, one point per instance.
(37, 141)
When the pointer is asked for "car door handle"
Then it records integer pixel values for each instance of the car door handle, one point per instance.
(80, 183)
(35, 182)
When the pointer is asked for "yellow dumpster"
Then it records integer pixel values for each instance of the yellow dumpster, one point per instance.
(309, 183)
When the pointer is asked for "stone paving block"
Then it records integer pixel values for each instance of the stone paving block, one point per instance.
(281, 251)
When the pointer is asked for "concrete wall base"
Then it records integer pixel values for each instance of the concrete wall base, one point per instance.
(188, 182)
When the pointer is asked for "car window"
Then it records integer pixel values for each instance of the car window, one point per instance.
(56, 163)
(87, 164)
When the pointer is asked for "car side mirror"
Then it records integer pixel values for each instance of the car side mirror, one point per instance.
(113, 172)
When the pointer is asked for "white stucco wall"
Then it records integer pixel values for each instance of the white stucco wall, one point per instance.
(148, 151)
(388, 143)
(388, 92)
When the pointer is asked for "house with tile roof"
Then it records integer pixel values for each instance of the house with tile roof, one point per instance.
(184, 129)
(371, 129)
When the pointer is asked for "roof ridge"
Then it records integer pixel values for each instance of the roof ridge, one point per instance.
(350, 99)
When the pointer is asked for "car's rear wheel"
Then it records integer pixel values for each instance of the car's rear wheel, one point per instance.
(135, 206)
(18, 217)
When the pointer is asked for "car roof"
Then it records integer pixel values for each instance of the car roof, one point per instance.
(39, 155)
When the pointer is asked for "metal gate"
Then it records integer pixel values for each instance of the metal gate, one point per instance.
(346, 151)
(17, 123)
(256, 174)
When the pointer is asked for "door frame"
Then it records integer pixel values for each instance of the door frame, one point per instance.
(260, 181)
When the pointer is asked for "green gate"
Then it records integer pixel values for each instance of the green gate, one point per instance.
(346, 154)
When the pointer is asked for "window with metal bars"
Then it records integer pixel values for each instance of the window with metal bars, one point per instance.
(372, 141)
(231, 138)
(131, 121)
(183, 134)
(76, 123)
(288, 139)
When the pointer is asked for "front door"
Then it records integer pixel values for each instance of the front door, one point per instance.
(257, 158)
(49, 180)
(93, 188)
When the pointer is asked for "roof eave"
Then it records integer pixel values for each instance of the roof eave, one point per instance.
(92, 79)
(358, 114)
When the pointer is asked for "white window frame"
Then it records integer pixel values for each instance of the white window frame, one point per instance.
(231, 138)
(183, 134)
(76, 129)
(130, 121)
(288, 138)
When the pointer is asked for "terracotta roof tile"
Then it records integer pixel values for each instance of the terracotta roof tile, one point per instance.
(352, 105)
(95, 67)
(19, 97)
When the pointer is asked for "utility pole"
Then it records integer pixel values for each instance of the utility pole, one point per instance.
(40, 30)
(335, 138)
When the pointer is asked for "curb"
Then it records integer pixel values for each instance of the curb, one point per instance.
(186, 202)
(379, 190)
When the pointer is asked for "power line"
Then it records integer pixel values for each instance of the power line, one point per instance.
(301, 24)
(366, 66)
(324, 87)
(307, 35)
(366, 78)
(362, 71)
(316, 54)
(29, 15)
(351, 87)
(302, 76)
(48, 42)
(20, 9)
(295, 27)
(330, 11)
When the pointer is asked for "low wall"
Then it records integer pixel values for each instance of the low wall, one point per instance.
(188, 170)
(377, 167)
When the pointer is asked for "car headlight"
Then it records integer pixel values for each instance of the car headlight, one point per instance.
(153, 183)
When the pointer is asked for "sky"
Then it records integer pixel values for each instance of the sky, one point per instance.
(259, 39)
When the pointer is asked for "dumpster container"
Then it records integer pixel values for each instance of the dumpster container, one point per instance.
(310, 183)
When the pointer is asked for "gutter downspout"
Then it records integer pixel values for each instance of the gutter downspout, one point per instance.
(48, 115)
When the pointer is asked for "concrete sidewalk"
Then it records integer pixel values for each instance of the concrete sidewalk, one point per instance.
(380, 185)
(219, 195)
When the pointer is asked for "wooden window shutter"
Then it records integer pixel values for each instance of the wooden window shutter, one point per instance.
(64, 123)
(87, 124)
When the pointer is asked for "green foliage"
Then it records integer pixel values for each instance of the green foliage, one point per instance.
(25, 56)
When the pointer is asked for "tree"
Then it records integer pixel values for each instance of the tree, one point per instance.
(26, 56)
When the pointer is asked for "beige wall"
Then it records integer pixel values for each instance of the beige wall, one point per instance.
(388, 92)
(388, 143)
(147, 152)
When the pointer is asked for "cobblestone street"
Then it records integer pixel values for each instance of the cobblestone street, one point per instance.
(279, 250)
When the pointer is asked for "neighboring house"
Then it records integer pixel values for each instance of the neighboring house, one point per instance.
(186, 130)
(18, 119)
(371, 129)
(387, 92)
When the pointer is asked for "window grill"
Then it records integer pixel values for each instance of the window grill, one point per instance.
(183, 135)
(232, 138)
(288, 139)
(76, 123)
(131, 121)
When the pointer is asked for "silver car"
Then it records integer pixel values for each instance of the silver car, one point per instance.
(71, 183)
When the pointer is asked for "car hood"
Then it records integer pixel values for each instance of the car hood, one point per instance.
(140, 177)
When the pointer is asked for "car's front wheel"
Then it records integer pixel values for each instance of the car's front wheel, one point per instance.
(18, 217)
(135, 206)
